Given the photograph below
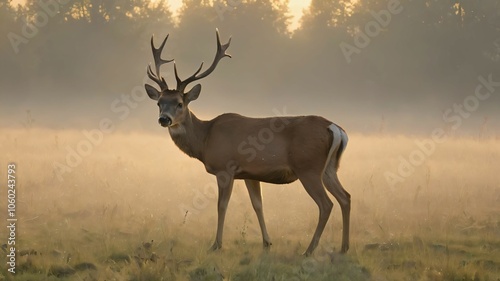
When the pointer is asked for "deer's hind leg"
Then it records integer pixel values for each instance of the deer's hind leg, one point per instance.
(333, 185)
(314, 186)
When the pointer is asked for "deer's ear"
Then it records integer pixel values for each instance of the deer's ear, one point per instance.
(194, 93)
(153, 93)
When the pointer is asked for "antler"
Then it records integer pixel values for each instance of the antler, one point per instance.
(221, 53)
(158, 63)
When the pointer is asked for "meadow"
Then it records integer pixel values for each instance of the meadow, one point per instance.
(135, 208)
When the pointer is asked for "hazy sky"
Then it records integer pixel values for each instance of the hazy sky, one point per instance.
(296, 8)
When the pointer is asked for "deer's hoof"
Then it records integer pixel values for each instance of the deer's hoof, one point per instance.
(307, 254)
(215, 247)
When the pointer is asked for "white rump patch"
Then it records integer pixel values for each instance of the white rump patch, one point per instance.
(338, 136)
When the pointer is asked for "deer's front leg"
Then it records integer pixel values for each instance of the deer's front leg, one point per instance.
(225, 184)
(254, 190)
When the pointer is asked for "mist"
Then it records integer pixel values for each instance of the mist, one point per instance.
(415, 84)
(396, 65)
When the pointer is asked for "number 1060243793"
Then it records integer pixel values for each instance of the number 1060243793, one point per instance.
(11, 219)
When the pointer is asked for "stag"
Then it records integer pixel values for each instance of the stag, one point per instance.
(307, 148)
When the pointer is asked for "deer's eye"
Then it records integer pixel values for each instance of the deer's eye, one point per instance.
(158, 104)
(179, 106)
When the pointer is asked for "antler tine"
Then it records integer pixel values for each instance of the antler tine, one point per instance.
(158, 63)
(157, 54)
(221, 53)
(153, 77)
(179, 81)
(223, 47)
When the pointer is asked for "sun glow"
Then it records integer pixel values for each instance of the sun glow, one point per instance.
(296, 9)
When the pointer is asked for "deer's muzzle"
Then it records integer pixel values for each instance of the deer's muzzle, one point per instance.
(165, 121)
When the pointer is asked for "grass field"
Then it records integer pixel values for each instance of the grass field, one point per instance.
(135, 208)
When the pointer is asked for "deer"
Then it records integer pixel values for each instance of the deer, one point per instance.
(276, 150)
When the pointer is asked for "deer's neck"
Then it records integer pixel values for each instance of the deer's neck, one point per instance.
(190, 136)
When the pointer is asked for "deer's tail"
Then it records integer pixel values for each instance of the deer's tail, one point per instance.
(339, 144)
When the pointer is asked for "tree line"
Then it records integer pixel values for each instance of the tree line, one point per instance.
(346, 48)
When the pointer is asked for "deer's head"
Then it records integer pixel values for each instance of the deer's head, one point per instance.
(173, 103)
